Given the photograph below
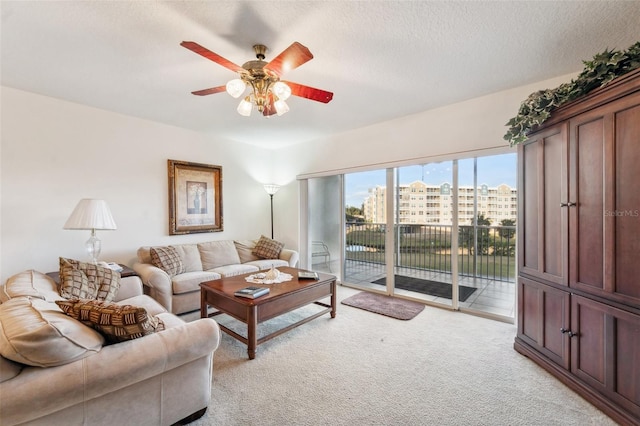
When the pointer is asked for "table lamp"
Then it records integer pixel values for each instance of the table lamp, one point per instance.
(91, 215)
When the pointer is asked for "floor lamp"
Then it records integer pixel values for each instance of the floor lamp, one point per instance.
(271, 189)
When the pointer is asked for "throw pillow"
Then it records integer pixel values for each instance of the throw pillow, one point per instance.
(87, 281)
(167, 259)
(117, 323)
(267, 248)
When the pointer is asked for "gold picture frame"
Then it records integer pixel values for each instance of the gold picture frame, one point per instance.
(195, 198)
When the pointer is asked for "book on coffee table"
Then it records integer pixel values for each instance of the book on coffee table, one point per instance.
(252, 292)
(304, 275)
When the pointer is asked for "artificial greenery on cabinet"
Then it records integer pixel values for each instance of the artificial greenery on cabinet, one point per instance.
(598, 72)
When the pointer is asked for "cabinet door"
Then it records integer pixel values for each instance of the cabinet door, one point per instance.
(625, 213)
(590, 142)
(542, 212)
(604, 222)
(605, 350)
(543, 312)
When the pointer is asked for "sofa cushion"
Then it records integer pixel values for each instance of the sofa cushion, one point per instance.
(245, 250)
(266, 248)
(30, 284)
(190, 256)
(264, 264)
(117, 323)
(87, 281)
(167, 259)
(190, 281)
(8, 369)
(143, 301)
(233, 270)
(218, 253)
(36, 332)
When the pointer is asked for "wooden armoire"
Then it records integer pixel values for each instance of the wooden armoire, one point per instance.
(579, 247)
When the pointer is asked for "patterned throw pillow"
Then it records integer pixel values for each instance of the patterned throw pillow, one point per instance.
(167, 259)
(267, 248)
(117, 323)
(87, 281)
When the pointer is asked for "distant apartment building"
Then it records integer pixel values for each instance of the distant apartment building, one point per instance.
(422, 203)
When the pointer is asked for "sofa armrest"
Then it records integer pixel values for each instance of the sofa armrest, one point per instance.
(290, 256)
(158, 281)
(129, 287)
(127, 363)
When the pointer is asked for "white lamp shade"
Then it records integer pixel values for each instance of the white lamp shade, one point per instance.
(281, 107)
(245, 107)
(91, 214)
(236, 87)
(271, 188)
(281, 90)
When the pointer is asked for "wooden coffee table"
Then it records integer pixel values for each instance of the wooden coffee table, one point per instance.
(282, 298)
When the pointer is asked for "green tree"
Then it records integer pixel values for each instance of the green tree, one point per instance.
(507, 233)
(354, 214)
(465, 238)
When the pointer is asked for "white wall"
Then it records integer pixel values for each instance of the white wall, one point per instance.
(54, 153)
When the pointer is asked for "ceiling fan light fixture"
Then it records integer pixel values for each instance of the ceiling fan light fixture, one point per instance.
(245, 107)
(236, 87)
(281, 107)
(267, 93)
(281, 90)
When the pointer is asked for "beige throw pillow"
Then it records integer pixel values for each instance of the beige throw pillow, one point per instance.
(266, 248)
(167, 259)
(117, 323)
(87, 281)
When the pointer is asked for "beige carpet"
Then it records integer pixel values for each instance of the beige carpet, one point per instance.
(440, 368)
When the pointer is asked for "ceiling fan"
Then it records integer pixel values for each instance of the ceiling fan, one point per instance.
(268, 92)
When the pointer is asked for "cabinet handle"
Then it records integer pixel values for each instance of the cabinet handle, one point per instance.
(571, 333)
(570, 204)
(564, 204)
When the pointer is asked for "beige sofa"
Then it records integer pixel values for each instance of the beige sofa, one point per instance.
(180, 293)
(157, 379)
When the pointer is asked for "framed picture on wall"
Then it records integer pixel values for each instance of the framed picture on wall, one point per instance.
(195, 198)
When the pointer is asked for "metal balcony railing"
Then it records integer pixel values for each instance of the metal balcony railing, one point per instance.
(483, 251)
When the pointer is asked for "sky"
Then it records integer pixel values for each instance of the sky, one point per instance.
(492, 171)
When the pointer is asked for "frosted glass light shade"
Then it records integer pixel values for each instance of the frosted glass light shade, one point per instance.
(271, 188)
(245, 107)
(281, 107)
(281, 90)
(236, 87)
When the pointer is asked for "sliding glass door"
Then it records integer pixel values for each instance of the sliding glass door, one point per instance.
(325, 224)
(423, 232)
(365, 250)
(444, 234)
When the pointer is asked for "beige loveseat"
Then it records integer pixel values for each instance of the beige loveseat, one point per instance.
(180, 293)
(76, 379)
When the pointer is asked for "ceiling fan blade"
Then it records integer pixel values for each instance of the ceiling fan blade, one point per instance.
(310, 92)
(292, 57)
(210, 91)
(196, 48)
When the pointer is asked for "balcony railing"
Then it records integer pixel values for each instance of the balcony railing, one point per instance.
(483, 251)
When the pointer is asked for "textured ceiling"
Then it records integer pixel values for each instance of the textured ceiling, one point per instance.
(382, 59)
